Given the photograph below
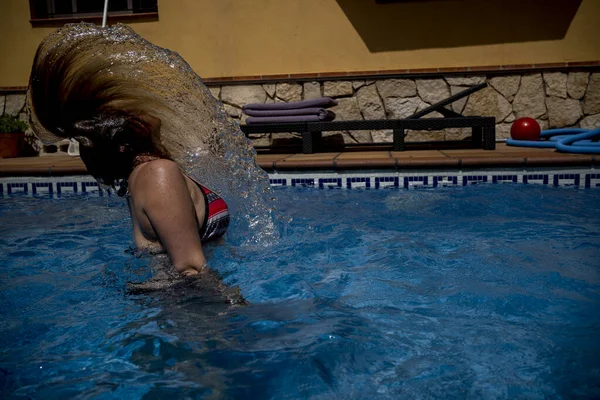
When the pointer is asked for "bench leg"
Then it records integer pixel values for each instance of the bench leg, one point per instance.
(477, 137)
(398, 139)
(489, 137)
(311, 141)
(317, 141)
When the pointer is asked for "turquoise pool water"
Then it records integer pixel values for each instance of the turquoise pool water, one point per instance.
(486, 291)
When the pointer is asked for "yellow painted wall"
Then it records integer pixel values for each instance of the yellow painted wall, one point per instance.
(261, 37)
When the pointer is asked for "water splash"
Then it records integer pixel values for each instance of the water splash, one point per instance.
(195, 131)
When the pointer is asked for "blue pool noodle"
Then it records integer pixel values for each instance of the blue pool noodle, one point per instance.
(568, 140)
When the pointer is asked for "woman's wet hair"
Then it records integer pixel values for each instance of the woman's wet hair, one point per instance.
(109, 144)
(120, 95)
(72, 96)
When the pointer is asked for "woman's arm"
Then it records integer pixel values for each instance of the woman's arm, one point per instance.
(161, 191)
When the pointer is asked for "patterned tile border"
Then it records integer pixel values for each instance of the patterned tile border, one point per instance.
(51, 187)
(578, 178)
(583, 178)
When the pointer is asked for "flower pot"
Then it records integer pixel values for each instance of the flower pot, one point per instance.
(11, 144)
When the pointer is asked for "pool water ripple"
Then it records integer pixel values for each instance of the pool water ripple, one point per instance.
(471, 292)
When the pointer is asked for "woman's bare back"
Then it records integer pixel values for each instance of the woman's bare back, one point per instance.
(167, 209)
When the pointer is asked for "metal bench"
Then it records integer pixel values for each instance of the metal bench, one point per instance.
(483, 128)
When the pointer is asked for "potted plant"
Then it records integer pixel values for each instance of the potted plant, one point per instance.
(12, 136)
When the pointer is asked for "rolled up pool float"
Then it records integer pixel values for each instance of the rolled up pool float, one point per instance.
(567, 140)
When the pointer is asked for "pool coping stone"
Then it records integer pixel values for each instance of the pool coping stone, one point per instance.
(503, 157)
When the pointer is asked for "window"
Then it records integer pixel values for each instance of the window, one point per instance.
(61, 10)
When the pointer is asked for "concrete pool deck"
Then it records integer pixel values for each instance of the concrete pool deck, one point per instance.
(503, 157)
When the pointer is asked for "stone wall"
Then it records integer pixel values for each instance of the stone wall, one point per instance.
(555, 99)
(14, 105)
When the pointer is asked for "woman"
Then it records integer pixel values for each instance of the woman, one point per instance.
(170, 211)
(94, 85)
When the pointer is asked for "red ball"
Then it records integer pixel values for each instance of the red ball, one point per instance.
(525, 129)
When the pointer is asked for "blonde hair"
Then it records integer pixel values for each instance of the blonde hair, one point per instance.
(74, 93)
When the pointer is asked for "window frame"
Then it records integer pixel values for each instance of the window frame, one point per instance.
(48, 19)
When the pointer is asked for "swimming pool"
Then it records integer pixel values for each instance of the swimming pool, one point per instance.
(464, 292)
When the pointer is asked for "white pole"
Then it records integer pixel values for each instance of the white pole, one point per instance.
(105, 14)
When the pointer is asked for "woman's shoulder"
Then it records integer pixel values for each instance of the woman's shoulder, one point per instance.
(159, 166)
(155, 172)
